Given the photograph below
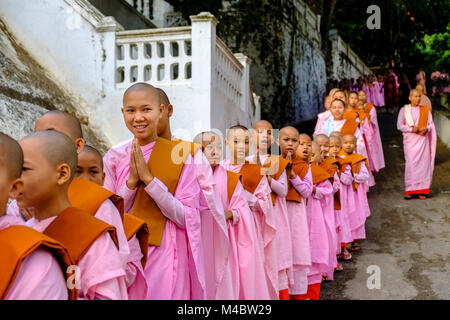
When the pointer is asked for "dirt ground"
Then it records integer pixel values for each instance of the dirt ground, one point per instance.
(409, 240)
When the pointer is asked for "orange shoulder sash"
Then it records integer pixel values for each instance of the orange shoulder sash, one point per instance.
(166, 163)
(232, 180)
(423, 118)
(89, 196)
(349, 127)
(18, 242)
(319, 174)
(134, 226)
(251, 176)
(276, 166)
(77, 231)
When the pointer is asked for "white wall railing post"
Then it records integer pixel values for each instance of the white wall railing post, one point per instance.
(203, 62)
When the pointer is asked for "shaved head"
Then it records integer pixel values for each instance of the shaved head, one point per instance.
(60, 121)
(164, 99)
(336, 133)
(349, 136)
(320, 136)
(11, 156)
(419, 88)
(304, 136)
(56, 147)
(336, 138)
(206, 137)
(262, 124)
(142, 86)
(315, 147)
(236, 127)
(289, 130)
(91, 150)
(416, 91)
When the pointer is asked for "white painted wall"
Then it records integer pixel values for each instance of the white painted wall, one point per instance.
(73, 42)
(441, 121)
(76, 44)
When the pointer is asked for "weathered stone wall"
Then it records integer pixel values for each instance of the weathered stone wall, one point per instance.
(27, 91)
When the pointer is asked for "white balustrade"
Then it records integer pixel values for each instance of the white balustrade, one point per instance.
(159, 56)
(228, 73)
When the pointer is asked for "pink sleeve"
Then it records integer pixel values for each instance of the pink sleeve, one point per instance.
(323, 189)
(280, 186)
(401, 122)
(305, 186)
(40, 278)
(186, 194)
(319, 127)
(346, 177)
(363, 175)
(430, 121)
(136, 282)
(108, 213)
(110, 173)
(102, 272)
(127, 195)
(207, 183)
(336, 183)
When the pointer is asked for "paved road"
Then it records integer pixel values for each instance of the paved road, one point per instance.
(409, 240)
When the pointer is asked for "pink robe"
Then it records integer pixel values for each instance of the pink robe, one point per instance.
(283, 235)
(320, 215)
(321, 118)
(102, 276)
(419, 151)
(343, 231)
(40, 275)
(136, 282)
(355, 202)
(175, 269)
(298, 222)
(381, 93)
(375, 145)
(216, 245)
(107, 212)
(332, 125)
(260, 203)
(246, 256)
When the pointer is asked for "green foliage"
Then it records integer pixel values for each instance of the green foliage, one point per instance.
(436, 49)
(404, 23)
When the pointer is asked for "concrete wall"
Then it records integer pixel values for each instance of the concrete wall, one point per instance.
(346, 64)
(124, 13)
(441, 119)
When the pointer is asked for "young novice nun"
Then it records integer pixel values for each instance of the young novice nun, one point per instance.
(258, 194)
(84, 194)
(324, 116)
(30, 262)
(246, 259)
(354, 188)
(419, 145)
(50, 161)
(277, 178)
(375, 146)
(345, 126)
(90, 167)
(354, 113)
(164, 192)
(317, 228)
(319, 173)
(331, 165)
(344, 235)
(300, 188)
(215, 240)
